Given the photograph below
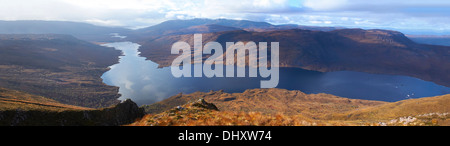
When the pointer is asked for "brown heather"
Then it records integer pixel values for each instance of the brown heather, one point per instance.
(279, 107)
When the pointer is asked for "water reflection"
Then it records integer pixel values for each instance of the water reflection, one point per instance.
(145, 83)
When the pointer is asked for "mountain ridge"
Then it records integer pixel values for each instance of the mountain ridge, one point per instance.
(269, 101)
(179, 27)
(84, 31)
(67, 71)
(372, 51)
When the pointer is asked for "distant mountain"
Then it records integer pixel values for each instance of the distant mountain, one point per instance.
(80, 30)
(52, 51)
(178, 27)
(373, 51)
(172, 25)
(443, 40)
(60, 67)
(200, 29)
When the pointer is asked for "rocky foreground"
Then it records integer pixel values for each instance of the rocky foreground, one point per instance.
(279, 107)
(23, 109)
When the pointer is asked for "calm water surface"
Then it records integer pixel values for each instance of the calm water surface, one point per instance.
(142, 81)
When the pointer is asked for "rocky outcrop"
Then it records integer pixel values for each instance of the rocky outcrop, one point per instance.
(203, 104)
(123, 113)
(267, 101)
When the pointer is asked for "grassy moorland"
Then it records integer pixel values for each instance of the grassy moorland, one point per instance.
(59, 67)
(279, 107)
(13, 100)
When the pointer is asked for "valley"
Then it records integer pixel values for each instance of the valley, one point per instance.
(137, 78)
(62, 73)
(372, 51)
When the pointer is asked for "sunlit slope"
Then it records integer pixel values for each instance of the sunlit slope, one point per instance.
(410, 107)
(12, 100)
(280, 107)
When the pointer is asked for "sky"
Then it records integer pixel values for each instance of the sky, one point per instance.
(410, 15)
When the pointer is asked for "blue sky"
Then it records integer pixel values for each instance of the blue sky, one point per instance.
(429, 16)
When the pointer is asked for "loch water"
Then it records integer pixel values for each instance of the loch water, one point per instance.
(142, 81)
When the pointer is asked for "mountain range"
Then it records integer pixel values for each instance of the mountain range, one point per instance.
(179, 27)
(170, 26)
(56, 66)
(80, 30)
(443, 40)
(372, 51)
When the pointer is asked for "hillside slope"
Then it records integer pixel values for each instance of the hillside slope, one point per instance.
(12, 100)
(372, 51)
(269, 101)
(59, 67)
(410, 107)
(23, 109)
(278, 107)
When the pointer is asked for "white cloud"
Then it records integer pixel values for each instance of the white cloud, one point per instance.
(322, 5)
(431, 14)
(380, 6)
(41, 10)
(105, 22)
